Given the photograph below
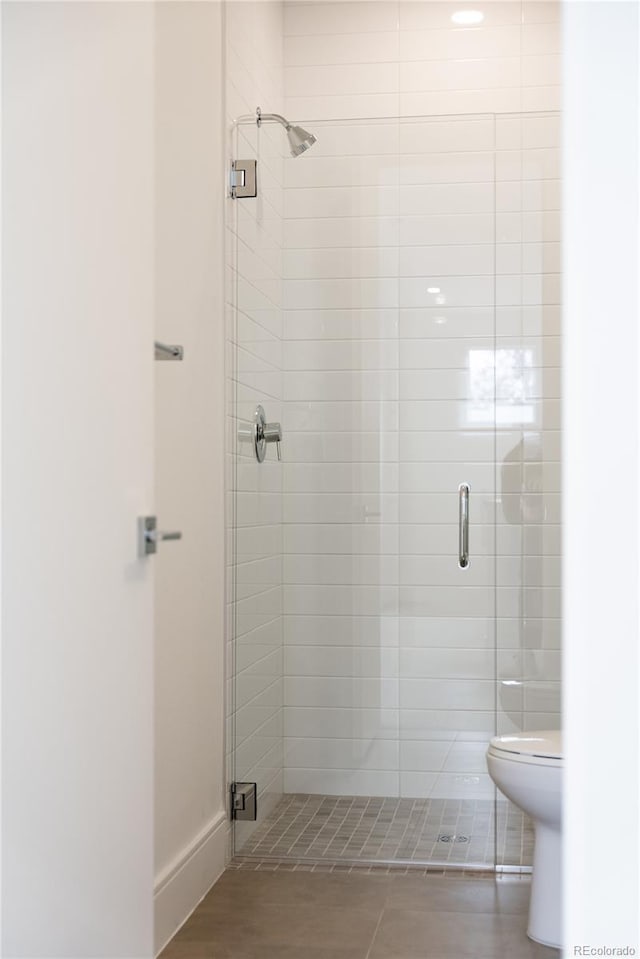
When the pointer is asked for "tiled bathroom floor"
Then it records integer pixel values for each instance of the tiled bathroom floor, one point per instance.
(307, 915)
(362, 829)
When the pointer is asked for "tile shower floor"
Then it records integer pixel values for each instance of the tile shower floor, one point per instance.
(357, 829)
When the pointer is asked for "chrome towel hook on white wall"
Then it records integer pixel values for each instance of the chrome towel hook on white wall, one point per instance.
(165, 352)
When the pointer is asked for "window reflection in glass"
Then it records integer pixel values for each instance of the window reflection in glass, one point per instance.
(509, 375)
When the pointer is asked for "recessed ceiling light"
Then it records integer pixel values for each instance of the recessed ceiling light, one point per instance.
(433, 289)
(467, 18)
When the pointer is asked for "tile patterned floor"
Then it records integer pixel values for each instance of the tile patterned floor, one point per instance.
(356, 829)
(297, 915)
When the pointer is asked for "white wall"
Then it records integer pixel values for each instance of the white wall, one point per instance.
(254, 331)
(389, 663)
(190, 816)
(77, 643)
(601, 221)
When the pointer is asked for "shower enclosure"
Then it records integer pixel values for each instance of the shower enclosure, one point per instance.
(394, 308)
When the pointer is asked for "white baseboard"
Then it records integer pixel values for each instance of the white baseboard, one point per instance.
(181, 885)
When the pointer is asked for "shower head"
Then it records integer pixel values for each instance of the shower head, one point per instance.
(299, 139)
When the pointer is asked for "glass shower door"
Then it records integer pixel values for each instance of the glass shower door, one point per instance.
(447, 438)
(363, 319)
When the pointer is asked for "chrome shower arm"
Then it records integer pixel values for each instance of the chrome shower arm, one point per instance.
(272, 116)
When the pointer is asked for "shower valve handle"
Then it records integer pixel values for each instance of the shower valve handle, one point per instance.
(273, 434)
(264, 433)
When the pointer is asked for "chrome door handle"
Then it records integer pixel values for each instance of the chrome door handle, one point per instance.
(463, 525)
(157, 535)
(149, 535)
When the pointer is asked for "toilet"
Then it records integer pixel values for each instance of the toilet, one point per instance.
(527, 768)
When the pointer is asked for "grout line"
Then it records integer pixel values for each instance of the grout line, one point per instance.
(375, 932)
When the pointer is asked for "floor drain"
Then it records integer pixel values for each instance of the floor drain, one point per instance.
(445, 837)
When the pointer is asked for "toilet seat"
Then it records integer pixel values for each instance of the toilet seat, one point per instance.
(536, 748)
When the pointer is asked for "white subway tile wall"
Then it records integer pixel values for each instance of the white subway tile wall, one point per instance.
(421, 279)
(379, 59)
